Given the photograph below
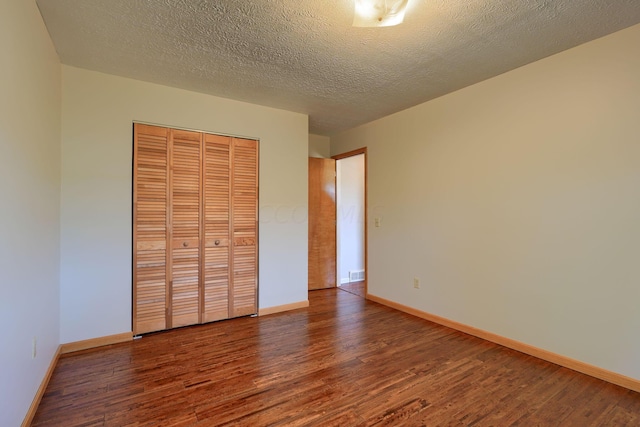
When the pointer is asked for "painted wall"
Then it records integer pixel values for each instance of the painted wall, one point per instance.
(29, 211)
(97, 115)
(319, 146)
(350, 216)
(516, 201)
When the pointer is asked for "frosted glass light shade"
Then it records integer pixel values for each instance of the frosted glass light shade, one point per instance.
(379, 13)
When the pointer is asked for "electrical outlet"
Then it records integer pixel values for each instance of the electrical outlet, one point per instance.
(416, 283)
(34, 348)
(377, 221)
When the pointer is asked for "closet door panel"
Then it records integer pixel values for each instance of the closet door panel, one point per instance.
(185, 182)
(244, 172)
(195, 228)
(150, 228)
(216, 228)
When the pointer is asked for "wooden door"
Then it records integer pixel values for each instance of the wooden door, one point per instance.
(322, 223)
(244, 213)
(150, 231)
(185, 184)
(195, 213)
(217, 197)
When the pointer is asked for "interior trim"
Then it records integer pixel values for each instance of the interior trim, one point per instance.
(281, 308)
(28, 419)
(558, 359)
(95, 342)
(351, 153)
(356, 152)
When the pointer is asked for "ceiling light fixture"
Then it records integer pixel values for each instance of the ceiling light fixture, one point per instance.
(379, 13)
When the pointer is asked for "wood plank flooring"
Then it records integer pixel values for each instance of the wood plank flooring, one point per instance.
(343, 361)
(356, 288)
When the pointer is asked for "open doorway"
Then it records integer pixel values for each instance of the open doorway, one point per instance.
(338, 222)
(351, 220)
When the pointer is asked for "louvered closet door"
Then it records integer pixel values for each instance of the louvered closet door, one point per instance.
(195, 228)
(244, 167)
(150, 228)
(185, 182)
(216, 228)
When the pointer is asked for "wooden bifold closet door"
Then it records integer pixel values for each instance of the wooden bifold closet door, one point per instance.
(195, 237)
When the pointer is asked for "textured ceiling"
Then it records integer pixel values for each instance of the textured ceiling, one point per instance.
(304, 55)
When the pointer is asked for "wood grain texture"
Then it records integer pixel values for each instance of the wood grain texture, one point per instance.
(217, 200)
(344, 361)
(322, 223)
(244, 218)
(185, 227)
(150, 206)
(195, 239)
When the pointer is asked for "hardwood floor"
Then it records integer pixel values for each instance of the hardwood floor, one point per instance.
(344, 361)
(356, 288)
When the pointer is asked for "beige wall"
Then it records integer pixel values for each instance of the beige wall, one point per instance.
(516, 201)
(97, 115)
(319, 146)
(29, 210)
